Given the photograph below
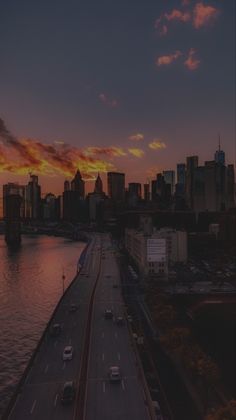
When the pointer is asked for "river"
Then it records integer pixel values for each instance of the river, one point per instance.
(30, 287)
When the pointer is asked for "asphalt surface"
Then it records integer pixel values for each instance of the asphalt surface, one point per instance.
(41, 393)
(110, 345)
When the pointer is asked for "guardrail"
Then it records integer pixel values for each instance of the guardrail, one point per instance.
(13, 399)
(148, 399)
(82, 381)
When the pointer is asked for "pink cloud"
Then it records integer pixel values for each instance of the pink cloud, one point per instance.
(112, 103)
(192, 63)
(178, 15)
(161, 27)
(168, 59)
(185, 2)
(161, 22)
(200, 15)
(204, 15)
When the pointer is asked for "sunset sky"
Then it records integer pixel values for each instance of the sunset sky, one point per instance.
(128, 85)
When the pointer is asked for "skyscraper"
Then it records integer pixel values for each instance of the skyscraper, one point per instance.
(181, 173)
(134, 193)
(230, 187)
(154, 190)
(98, 188)
(199, 202)
(135, 189)
(32, 198)
(220, 155)
(77, 184)
(169, 177)
(192, 163)
(116, 186)
(66, 185)
(146, 188)
(215, 186)
(181, 180)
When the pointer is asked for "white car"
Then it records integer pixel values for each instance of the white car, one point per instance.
(68, 353)
(114, 374)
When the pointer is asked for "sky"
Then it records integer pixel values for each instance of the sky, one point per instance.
(133, 86)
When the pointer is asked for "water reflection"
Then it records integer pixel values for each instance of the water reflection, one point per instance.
(30, 287)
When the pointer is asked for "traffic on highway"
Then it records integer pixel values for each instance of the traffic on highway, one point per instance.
(86, 367)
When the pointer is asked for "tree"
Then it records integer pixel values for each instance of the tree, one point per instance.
(224, 413)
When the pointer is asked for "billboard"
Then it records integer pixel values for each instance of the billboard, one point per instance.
(156, 250)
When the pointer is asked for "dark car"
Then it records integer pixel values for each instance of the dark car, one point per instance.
(120, 320)
(68, 393)
(73, 307)
(55, 330)
(108, 314)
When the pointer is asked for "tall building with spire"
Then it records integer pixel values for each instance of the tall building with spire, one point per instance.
(77, 184)
(98, 188)
(220, 155)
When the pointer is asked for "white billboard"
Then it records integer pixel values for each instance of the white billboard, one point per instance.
(156, 250)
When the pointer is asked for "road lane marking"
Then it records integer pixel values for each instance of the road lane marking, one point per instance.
(103, 356)
(123, 384)
(104, 386)
(64, 365)
(55, 401)
(46, 369)
(33, 407)
(16, 402)
(118, 355)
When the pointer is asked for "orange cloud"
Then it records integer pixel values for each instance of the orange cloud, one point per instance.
(136, 137)
(112, 103)
(168, 59)
(136, 152)
(204, 15)
(157, 144)
(111, 151)
(192, 63)
(20, 156)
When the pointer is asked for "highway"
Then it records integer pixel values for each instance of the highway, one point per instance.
(110, 344)
(40, 395)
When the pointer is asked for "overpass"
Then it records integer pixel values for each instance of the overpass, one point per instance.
(98, 344)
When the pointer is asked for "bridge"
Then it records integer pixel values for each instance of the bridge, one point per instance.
(98, 344)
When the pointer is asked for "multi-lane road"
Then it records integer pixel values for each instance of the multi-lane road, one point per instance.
(39, 397)
(111, 346)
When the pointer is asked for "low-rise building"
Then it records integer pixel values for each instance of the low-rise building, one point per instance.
(154, 251)
(148, 252)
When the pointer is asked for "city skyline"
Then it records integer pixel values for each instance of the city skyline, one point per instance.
(90, 183)
(161, 89)
(117, 209)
